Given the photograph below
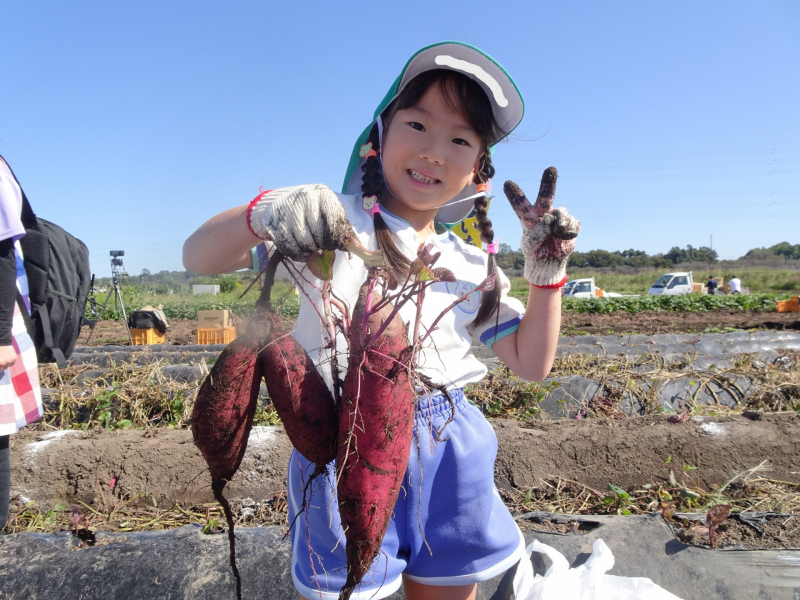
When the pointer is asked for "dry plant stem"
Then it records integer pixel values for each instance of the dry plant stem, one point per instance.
(345, 315)
(415, 289)
(297, 276)
(431, 329)
(417, 323)
(329, 325)
(373, 281)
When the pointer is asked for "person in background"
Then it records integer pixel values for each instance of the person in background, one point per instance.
(711, 285)
(735, 284)
(20, 396)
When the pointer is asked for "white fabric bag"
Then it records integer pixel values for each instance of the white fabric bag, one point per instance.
(587, 582)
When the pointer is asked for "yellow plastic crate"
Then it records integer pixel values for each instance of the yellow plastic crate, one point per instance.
(145, 337)
(216, 335)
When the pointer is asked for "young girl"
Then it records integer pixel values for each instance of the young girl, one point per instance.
(422, 166)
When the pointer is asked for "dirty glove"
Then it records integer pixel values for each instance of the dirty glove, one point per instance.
(300, 220)
(548, 233)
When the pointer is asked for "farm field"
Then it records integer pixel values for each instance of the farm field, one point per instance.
(652, 413)
(573, 323)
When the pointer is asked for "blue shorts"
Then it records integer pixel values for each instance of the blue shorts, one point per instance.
(449, 526)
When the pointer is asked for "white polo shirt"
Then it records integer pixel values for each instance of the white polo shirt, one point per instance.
(446, 357)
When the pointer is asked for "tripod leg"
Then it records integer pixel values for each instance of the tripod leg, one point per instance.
(124, 316)
(100, 316)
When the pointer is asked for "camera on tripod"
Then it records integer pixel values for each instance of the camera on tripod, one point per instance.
(115, 291)
(115, 260)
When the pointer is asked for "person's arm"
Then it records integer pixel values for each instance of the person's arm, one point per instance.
(299, 220)
(548, 240)
(8, 297)
(221, 245)
(530, 351)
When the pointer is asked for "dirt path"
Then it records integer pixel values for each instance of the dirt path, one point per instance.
(64, 467)
(673, 322)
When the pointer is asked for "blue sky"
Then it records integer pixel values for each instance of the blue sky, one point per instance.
(130, 124)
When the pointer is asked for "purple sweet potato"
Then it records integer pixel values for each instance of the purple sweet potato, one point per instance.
(226, 405)
(299, 394)
(222, 417)
(375, 433)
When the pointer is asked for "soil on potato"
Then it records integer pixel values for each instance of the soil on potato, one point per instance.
(182, 331)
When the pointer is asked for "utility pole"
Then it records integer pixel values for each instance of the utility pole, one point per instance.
(711, 241)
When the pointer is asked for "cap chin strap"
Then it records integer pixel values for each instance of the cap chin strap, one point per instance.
(379, 122)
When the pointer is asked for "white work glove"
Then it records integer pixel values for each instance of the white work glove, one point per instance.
(548, 233)
(301, 220)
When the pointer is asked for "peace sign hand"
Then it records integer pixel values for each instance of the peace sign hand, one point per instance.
(548, 233)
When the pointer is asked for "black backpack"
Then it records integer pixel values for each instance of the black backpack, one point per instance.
(147, 319)
(57, 266)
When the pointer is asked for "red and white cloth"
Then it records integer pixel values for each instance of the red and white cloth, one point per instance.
(20, 396)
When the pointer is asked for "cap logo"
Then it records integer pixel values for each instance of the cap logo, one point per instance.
(476, 70)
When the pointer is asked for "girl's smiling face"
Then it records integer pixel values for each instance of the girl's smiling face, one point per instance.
(430, 153)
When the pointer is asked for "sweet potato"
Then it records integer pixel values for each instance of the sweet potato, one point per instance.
(222, 417)
(299, 394)
(225, 407)
(375, 433)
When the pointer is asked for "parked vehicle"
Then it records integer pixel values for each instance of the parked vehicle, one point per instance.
(586, 288)
(673, 284)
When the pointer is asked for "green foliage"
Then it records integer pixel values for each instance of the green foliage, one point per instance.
(690, 254)
(784, 249)
(185, 306)
(637, 259)
(686, 303)
(619, 500)
(228, 283)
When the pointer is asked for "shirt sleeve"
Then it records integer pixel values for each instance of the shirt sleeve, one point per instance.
(256, 256)
(505, 321)
(8, 289)
(10, 206)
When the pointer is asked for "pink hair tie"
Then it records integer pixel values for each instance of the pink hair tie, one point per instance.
(375, 209)
(492, 248)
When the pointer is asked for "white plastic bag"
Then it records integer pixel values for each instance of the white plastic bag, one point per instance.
(587, 582)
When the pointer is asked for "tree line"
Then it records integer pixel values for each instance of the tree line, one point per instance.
(180, 282)
(508, 259)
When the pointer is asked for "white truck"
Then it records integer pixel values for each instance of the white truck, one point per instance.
(673, 284)
(585, 288)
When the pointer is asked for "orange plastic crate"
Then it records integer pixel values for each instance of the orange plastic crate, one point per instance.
(145, 337)
(216, 335)
(791, 305)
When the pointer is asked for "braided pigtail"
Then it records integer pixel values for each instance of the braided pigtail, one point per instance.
(372, 185)
(490, 301)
